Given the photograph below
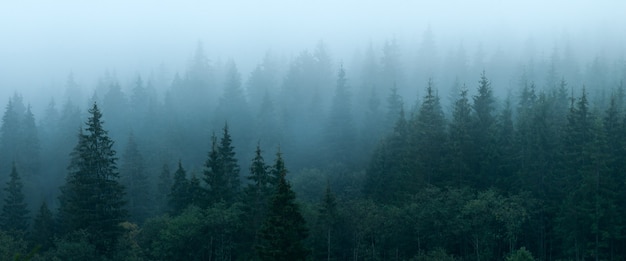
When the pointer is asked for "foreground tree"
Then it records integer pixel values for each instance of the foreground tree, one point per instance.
(14, 212)
(221, 172)
(92, 199)
(284, 231)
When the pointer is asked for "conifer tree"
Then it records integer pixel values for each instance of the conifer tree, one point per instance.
(325, 238)
(163, 189)
(340, 132)
(136, 183)
(256, 197)
(483, 131)
(461, 141)
(221, 172)
(43, 228)
(428, 135)
(14, 216)
(179, 198)
(284, 231)
(92, 199)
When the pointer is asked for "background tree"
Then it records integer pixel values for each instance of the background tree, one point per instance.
(134, 178)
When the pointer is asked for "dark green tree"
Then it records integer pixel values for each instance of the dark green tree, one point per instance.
(283, 233)
(43, 228)
(92, 199)
(14, 215)
(325, 237)
(136, 182)
(178, 197)
(221, 172)
(483, 132)
(164, 185)
(428, 133)
(461, 142)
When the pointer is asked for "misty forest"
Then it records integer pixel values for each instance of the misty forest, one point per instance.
(435, 150)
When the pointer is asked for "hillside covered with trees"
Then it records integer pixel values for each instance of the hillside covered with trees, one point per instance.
(384, 157)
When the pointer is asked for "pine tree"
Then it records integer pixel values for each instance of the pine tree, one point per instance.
(14, 217)
(483, 131)
(257, 194)
(136, 182)
(284, 231)
(428, 135)
(460, 142)
(92, 198)
(325, 240)
(43, 228)
(340, 132)
(221, 172)
(179, 198)
(163, 189)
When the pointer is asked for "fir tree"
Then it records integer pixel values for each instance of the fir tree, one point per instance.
(43, 228)
(179, 198)
(221, 172)
(428, 135)
(256, 196)
(135, 181)
(163, 188)
(340, 133)
(460, 142)
(325, 240)
(284, 231)
(14, 215)
(92, 198)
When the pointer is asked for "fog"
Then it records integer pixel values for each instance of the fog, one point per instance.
(44, 41)
(474, 130)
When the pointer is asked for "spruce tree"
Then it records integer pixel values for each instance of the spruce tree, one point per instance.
(325, 237)
(43, 228)
(340, 132)
(284, 231)
(179, 198)
(92, 199)
(14, 217)
(428, 135)
(221, 172)
(136, 183)
(256, 197)
(163, 189)
(460, 142)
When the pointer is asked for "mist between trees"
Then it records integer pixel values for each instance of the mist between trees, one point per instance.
(444, 159)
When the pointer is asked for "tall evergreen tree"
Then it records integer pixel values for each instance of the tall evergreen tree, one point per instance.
(221, 172)
(179, 197)
(325, 238)
(92, 199)
(340, 132)
(14, 215)
(284, 231)
(136, 183)
(483, 131)
(428, 129)
(43, 228)
(164, 185)
(461, 142)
